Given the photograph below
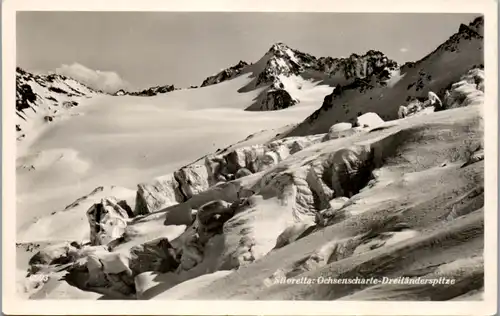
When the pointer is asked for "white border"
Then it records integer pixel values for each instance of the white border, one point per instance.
(13, 305)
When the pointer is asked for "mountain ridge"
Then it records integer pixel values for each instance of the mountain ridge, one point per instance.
(149, 92)
(45, 96)
(282, 61)
(433, 72)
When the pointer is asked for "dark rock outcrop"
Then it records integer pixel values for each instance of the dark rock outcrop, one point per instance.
(24, 96)
(211, 217)
(277, 100)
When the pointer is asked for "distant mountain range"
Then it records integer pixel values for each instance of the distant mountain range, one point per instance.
(280, 73)
(280, 70)
(147, 92)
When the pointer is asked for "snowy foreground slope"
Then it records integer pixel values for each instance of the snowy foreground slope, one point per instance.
(410, 215)
(125, 140)
(411, 206)
(342, 197)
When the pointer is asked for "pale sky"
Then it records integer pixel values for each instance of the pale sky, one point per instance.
(183, 48)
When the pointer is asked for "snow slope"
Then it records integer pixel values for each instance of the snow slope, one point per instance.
(125, 140)
(414, 200)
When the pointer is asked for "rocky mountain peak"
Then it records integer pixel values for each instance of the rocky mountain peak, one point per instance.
(478, 25)
(281, 50)
(469, 30)
(278, 47)
(282, 62)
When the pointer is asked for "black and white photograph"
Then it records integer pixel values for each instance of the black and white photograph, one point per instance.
(250, 156)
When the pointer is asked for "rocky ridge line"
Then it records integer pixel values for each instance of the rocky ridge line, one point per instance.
(149, 92)
(225, 74)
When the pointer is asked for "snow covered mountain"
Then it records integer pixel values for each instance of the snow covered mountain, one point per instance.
(283, 70)
(355, 190)
(435, 72)
(40, 99)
